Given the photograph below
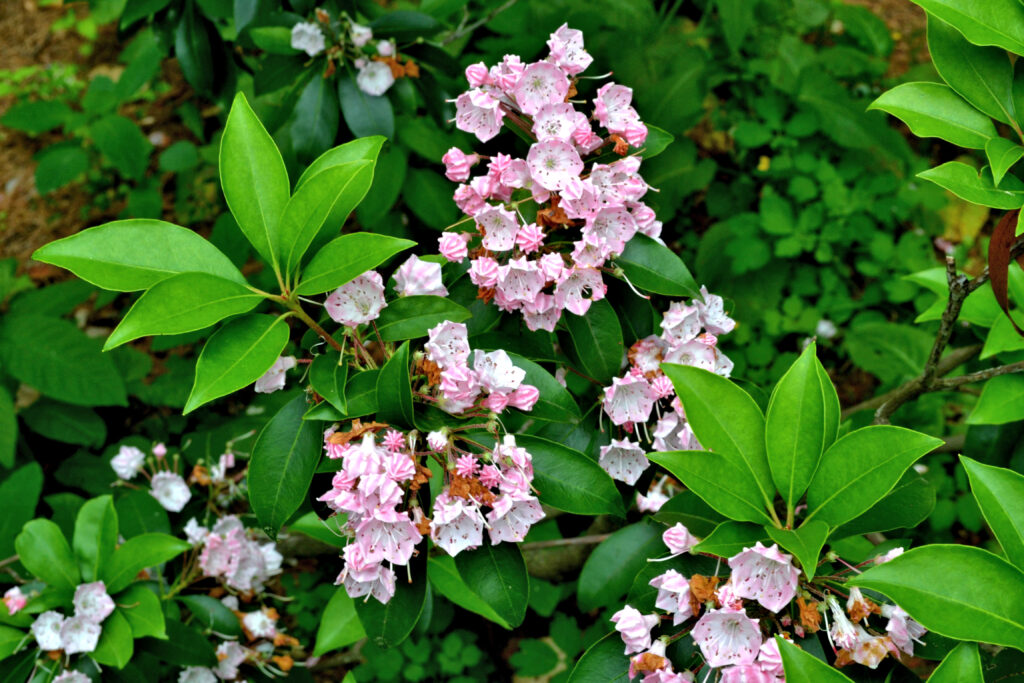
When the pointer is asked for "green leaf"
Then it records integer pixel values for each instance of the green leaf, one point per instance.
(609, 571)
(321, 205)
(361, 149)
(388, 625)
(44, 552)
(956, 591)
(236, 356)
(361, 393)
(962, 665)
(410, 317)
(142, 610)
(802, 667)
(212, 614)
(327, 376)
(657, 142)
(906, 506)
(394, 390)
(405, 25)
(127, 256)
(276, 40)
(138, 513)
(281, 468)
(603, 661)
(36, 117)
(1002, 155)
(60, 166)
(567, 480)
(339, 625)
(345, 258)
(966, 183)
(138, 553)
(426, 194)
(688, 509)
(721, 480)
(730, 538)
(8, 429)
(181, 156)
(1001, 401)
(933, 110)
(116, 644)
(254, 179)
(61, 422)
(993, 22)
(95, 536)
(597, 338)
(10, 640)
(121, 141)
(184, 646)
(805, 543)
(183, 303)
(861, 468)
(981, 75)
(444, 577)
(726, 420)
(19, 495)
(314, 123)
(653, 267)
(1000, 495)
(555, 404)
(192, 43)
(364, 114)
(497, 574)
(798, 428)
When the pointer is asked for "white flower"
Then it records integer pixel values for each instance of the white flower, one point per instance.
(260, 624)
(197, 674)
(418, 277)
(623, 460)
(457, 524)
(78, 634)
(496, 372)
(360, 34)
(385, 48)
(127, 462)
(308, 37)
(629, 399)
(170, 490)
(358, 301)
(195, 533)
(46, 630)
(447, 344)
(273, 379)
(230, 654)
(375, 78)
(92, 602)
(72, 677)
(727, 636)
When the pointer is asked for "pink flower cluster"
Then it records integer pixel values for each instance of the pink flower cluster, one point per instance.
(689, 337)
(514, 263)
(231, 553)
(492, 376)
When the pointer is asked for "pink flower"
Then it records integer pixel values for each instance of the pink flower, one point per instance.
(612, 107)
(679, 539)
(170, 490)
(843, 632)
(14, 600)
(524, 398)
(468, 200)
(510, 520)
(467, 466)
(628, 399)
(662, 387)
(712, 313)
(417, 277)
(540, 83)
(448, 344)
(127, 462)
(681, 323)
(360, 35)
(748, 673)
(496, 372)
(891, 555)
(871, 650)
(75, 677)
(478, 113)
(635, 133)
(477, 75)
(635, 628)
(573, 286)
(375, 78)
(673, 595)
(543, 313)
(500, 227)
(530, 238)
(552, 266)
(903, 630)
(520, 280)
(457, 165)
(358, 301)
(452, 245)
(673, 433)
(558, 122)
(769, 658)
(388, 535)
(230, 656)
(273, 379)
(260, 624)
(506, 74)
(496, 402)
(553, 164)
(460, 387)
(567, 50)
(393, 441)
(92, 602)
(694, 353)
(727, 637)
(766, 575)
(457, 524)
(615, 226)
(483, 271)
(623, 460)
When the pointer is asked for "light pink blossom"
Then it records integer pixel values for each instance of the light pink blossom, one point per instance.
(679, 539)
(673, 595)
(628, 399)
(447, 344)
(477, 112)
(496, 371)
(510, 519)
(46, 630)
(539, 84)
(623, 460)
(500, 227)
(127, 462)
(417, 277)
(79, 634)
(375, 78)
(170, 490)
(727, 637)
(14, 600)
(567, 51)
(457, 524)
(452, 246)
(635, 628)
(92, 602)
(358, 301)
(457, 164)
(274, 378)
(766, 575)
(553, 164)
(574, 285)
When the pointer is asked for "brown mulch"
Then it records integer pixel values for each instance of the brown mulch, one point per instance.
(906, 22)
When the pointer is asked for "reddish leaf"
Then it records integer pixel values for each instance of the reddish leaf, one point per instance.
(999, 255)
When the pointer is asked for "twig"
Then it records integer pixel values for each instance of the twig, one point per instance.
(980, 376)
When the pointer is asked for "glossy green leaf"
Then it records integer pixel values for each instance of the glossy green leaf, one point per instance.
(730, 538)
(497, 575)
(410, 317)
(956, 591)
(981, 75)
(314, 123)
(394, 390)
(192, 47)
(992, 22)
(721, 480)
(282, 464)
(388, 625)
(907, 505)
(1000, 495)
(61, 422)
(726, 420)
(116, 644)
(657, 142)
(8, 429)
(962, 665)
(327, 530)
(798, 428)
(445, 578)
(328, 377)
(347, 257)
(364, 114)
(138, 553)
(254, 178)
(183, 303)
(339, 625)
(688, 509)
(19, 495)
(59, 167)
(805, 543)
(131, 255)
(236, 356)
(360, 149)
(321, 206)
(570, 481)
(603, 661)
(860, 468)
(608, 573)
(121, 141)
(1002, 155)
(10, 640)
(212, 614)
(653, 267)
(555, 404)
(139, 513)
(361, 393)
(597, 339)
(933, 110)
(184, 646)
(1001, 401)
(802, 667)
(965, 182)
(405, 25)
(44, 552)
(142, 610)
(95, 536)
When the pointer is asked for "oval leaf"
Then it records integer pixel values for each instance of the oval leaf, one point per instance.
(394, 390)
(142, 610)
(138, 553)
(346, 258)
(962, 665)
(44, 551)
(805, 543)
(410, 317)
(388, 625)
(1000, 495)
(803, 667)
(567, 480)
(609, 571)
(497, 575)
(906, 506)
(721, 480)
(116, 643)
(603, 661)
(966, 183)
(992, 22)
(730, 538)
(445, 578)
(213, 614)
(327, 377)
(688, 509)
(597, 339)
(933, 110)
(339, 625)
(95, 536)
(653, 267)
